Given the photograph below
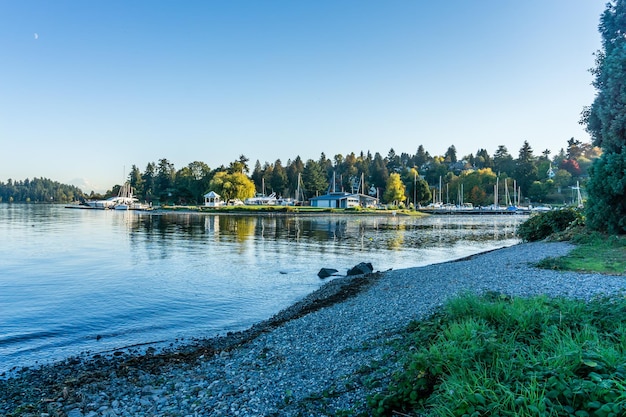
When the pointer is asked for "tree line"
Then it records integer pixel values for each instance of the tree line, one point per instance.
(38, 190)
(403, 178)
(539, 178)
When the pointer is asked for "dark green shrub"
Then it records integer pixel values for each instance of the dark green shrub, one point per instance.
(606, 206)
(540, 226)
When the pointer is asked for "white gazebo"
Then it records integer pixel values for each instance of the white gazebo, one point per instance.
(212, 199)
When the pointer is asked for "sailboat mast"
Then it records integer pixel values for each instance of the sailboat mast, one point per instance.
(362, 183)
(507, 198)
(496, 203)
(415, 188)
(298, 188)
(440, 198)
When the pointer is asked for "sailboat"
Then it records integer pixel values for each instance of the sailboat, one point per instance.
(125, 199)
(262, 199)
(299, 197)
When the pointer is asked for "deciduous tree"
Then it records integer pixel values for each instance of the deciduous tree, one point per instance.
(232, 185)
(395, 189)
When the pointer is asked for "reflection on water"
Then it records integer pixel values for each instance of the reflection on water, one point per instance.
(364, 232)
(76, 280)
(387, 241)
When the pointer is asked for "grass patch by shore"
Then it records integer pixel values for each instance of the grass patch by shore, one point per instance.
(594, 252)
(496, 355)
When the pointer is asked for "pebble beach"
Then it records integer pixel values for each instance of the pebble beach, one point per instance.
(306, 361)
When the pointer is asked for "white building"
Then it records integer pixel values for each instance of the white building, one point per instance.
(213, 199)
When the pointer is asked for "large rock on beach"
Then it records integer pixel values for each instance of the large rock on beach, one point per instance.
(326, 272)
(361, 269)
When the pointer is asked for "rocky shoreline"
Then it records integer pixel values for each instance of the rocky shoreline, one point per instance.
(318, 357)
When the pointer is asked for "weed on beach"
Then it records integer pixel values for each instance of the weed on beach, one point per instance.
(497, 355)
(594, 252)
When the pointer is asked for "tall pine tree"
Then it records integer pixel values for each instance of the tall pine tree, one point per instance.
(606, 122)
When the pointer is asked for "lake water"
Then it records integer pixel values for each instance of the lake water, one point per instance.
(87, 280)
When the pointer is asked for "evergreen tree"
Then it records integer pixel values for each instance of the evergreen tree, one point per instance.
(421, 157)
(257, 176)
(450, 155)
(574, 149)
(393, 161)
(148, 178)
(423, 193)
(268, 172)
(606, 122)
(278, 181)
(294, 168)
(326, 164)
(559, 157)
(350, 172)
(240, 165)
(378, 171)
(164, 183)
(314, 178)
(503, 161)
(482, 159)
(362, 165)
(525, 168)
(135, 180)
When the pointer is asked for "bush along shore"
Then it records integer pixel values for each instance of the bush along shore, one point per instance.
(400, 342)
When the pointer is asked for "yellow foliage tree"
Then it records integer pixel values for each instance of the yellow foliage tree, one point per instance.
(395, 189)
(232, 186)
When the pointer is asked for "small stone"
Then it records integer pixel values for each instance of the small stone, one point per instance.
(361, 269)
(326, 272)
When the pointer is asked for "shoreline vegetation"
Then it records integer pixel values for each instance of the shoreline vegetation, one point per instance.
(402, 179)
(363, 325)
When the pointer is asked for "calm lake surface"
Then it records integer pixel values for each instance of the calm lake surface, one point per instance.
(88, 280)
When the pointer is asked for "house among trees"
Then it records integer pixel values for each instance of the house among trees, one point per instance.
(342, 199)
(335, 200)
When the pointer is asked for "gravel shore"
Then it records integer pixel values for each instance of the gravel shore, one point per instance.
(308, 360)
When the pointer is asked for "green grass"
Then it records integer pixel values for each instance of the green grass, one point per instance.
(594, 252)
(496, 355)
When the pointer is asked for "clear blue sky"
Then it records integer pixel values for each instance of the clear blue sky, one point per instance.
(88, 88)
